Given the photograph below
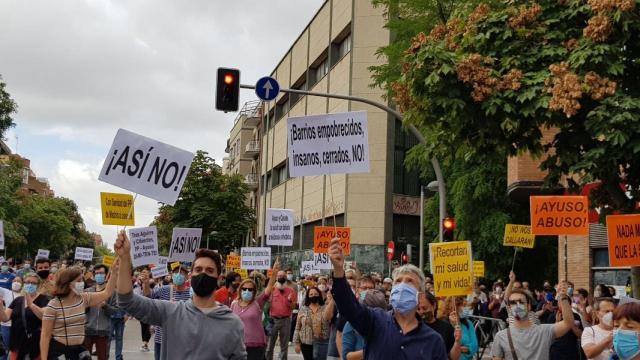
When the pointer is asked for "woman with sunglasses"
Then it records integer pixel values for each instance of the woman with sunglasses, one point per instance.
(248, 306)
(25, 313)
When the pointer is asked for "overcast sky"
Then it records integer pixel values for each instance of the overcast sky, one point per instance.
(79, 70)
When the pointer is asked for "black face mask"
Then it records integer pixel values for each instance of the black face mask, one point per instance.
(43, 274)
(282, 280)
(204, 285)
(314, 299)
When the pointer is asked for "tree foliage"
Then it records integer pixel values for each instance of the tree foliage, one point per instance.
(7, 108)
(489, 82)
(211, 201)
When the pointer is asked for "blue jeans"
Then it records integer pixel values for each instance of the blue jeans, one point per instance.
(6, 332)
(320, 350)
(157, 348)
(117, 331)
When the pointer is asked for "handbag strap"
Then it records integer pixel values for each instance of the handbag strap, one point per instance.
(513, 349)
(24, 316)
(64, 320)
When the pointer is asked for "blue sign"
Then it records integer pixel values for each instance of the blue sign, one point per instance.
(267, 88)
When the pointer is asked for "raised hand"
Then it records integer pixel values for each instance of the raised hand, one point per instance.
(276, 265)
(122, 246)
(337, 257)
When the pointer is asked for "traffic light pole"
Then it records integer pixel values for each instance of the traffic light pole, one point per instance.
(434, 162)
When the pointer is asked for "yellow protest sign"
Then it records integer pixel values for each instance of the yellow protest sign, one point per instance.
(518, 235)
(478, 269)
(243, 273)
(116, 208)
(107, 260)
(175, 265)
(233, 262)
(452, 268)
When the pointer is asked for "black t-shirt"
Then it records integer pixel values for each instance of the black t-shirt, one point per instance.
(446, 331)
(19, 339)
(567, 347)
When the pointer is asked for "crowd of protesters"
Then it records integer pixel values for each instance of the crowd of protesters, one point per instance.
(200, 311)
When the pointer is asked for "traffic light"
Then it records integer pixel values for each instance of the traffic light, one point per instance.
(448, 227)
(403, 258)
(227, 89)
(408, 255)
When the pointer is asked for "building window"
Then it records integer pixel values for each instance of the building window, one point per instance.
(282, 108)
(25, 176)
(280, 174)
(301, 84)
(601, 257)
(319, 71)
(340, 49)
(404, 181)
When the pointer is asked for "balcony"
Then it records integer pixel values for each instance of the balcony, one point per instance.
(250, 114)
(252, 180)
(253, 148)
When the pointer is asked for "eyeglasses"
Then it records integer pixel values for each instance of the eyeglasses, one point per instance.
(247, 289)
(31, 282)
(517, 302)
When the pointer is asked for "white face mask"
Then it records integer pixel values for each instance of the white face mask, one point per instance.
(16, 286)
(78, 287)
(608, 319)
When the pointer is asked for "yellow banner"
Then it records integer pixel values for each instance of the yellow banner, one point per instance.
(115, 208)
(518, 235)
(478, 269)
(233, 262)
(243, 273)
(107, 260)
(175, 265)
(452, 268)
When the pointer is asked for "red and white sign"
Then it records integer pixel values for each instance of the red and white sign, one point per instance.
(390, 249)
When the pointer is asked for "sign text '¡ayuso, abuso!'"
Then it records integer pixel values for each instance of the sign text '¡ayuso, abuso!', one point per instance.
(146, 166)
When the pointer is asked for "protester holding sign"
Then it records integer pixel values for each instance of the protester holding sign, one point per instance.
(25, 314)
(64, 317)
(249, 306)
(98, 328)
(181, 320)
(388, 334)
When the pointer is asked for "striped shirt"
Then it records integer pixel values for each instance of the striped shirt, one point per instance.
(69, 319)
(168, 293)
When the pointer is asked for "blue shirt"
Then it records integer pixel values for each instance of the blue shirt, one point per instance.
(351, 340)
(383, 336)
(6, 279)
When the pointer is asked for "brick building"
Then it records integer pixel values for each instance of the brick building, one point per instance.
(31, 183)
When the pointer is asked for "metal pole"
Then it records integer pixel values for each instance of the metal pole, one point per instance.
(434, 162)
(266, 170)
(421, 247)
(566, 265)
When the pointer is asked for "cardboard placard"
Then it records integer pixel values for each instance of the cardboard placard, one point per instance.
(559, 215)
(161, 270)
(144, 246)
(322, 236)
(243, 273)
(279, 227)
(478, 268)
(116, 208)
(623, 232)
(452, 268)
(43, 254)
(175, 265)
(233, 262)
(107, 260)
(147, 167)
(518, 235)
(184, 244)
(328, 144)
(307, 268)
(85, 254)
(322, 262)
(255, 258)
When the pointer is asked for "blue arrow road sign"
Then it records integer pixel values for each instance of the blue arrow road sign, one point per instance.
(267, 88)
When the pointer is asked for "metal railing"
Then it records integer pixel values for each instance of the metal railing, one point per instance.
(486, 329)
(250, 109)
(251, 179)
(253, 146)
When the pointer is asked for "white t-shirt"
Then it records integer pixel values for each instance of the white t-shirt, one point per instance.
(594, 335)
(7, 296)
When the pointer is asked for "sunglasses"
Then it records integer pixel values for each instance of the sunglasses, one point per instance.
(247, 289)
(517, 302)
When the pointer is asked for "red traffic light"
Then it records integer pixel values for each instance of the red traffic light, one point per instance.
(449, 223)
(228, 89)
(228, 79)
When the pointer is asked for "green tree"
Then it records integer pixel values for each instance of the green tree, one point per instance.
(7, 108)
(101, 251)
(211, 201)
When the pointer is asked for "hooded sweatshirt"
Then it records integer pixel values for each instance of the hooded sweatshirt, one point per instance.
(99, 317)
(187, 332)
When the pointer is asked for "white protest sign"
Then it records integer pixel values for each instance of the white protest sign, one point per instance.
(307, 268)
(42, 253)
(255, 258)
(144, 246)
(279, 227)
(146, 167)
(321, 262)
(83, 253)
(1, 234)
(184, 243)
(328, 144)
(160, 270)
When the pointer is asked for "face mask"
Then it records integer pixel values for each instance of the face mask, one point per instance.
(54, 270)
(363, 294)
(519, 311)
(204, 285)
(466, 312)
(246, 295)
(78, 286)
(570, 291)
(314, 299)
(549, 297)
(30, 289)
(322, 287)
(607, 319)
(290, 277)
(16, 286)
(404, 298)
(178, 279)
(625, 343)
(43, 274)
(499, 290)
(100, 278)
(4, 268)
(282, 280)
(26, 266)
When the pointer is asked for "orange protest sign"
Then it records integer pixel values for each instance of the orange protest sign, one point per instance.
(623, 232)
(559, 215)
(322, 236)
(233, 262)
